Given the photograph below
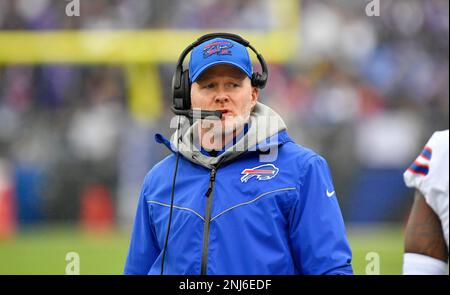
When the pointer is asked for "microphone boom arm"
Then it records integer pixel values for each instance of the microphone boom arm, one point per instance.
(198, 114)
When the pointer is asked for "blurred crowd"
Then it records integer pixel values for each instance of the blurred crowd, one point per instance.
(365, 92)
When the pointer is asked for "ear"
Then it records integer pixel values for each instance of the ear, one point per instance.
(194, 94)
(255, 95)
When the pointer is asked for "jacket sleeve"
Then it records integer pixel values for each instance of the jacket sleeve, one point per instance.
(317, 231)
(143, 249)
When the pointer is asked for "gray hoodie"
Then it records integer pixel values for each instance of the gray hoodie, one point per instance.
(264, 124)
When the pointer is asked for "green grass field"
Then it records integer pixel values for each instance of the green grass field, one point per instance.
(43, 250)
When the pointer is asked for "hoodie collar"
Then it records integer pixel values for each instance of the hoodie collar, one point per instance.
(266, 131)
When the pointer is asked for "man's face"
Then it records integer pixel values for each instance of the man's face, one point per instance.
(226, 88)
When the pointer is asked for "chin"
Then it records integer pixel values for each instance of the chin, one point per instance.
(231, 124)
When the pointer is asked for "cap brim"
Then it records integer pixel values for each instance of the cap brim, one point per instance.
(205, 67)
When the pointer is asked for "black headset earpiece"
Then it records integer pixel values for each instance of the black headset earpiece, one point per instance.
(181, 85)
(186, 85)
(258, 80)
(181, 89)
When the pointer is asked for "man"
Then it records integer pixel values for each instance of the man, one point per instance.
(426, 240)
(234, 212)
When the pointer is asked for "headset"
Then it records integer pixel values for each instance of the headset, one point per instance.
(181, 84)
(181, 94)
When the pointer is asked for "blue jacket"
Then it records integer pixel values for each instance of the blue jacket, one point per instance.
(273, 218)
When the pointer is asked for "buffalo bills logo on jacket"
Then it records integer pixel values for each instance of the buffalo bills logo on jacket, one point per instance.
(262, 172)
(219, 48)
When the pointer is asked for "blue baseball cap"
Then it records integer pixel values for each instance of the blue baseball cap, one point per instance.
(219, 51)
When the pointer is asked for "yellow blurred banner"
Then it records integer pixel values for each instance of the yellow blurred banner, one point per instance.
(140, 51)
(124, 47)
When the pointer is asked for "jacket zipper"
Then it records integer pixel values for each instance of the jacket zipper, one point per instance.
(206, 227)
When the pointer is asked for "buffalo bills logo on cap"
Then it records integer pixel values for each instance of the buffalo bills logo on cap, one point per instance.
(219, 48)
(263, 172)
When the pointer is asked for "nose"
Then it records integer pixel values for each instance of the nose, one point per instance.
(221, 97)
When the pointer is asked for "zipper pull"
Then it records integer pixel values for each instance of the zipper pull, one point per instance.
(212, 178)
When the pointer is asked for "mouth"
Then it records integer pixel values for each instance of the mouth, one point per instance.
(226, 112)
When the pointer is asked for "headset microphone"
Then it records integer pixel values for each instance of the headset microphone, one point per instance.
(198, 114)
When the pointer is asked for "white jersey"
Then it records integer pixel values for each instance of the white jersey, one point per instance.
(429, 174)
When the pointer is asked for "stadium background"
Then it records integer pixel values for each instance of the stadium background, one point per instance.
(82, 96)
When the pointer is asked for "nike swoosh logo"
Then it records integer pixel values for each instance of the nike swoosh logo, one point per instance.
(330, 194)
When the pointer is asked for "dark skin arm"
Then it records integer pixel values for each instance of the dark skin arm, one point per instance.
(424, 232)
